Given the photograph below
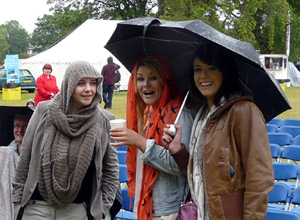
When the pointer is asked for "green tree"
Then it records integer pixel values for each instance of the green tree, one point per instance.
(295, 4)
(295, 38)
(17, 38)
(260, 22)
(108, 9)
(233, 17)
(3, 44)
(51, 28)
(271, 22)
(45, 34)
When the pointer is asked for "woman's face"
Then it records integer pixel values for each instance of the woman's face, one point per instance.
(84, 93)
(149, 86)
(47, 72)
(208, 79)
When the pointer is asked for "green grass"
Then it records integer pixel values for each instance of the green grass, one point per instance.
(119, 103)
(293, 95)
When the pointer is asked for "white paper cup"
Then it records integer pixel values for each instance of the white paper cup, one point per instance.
(117, 123)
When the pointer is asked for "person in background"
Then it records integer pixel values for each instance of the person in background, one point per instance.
(9, 157)
(230, 169)
(46, 85)
(108, 73)
(20, 125)
(153, 176)
(67, 165)
(30, 102)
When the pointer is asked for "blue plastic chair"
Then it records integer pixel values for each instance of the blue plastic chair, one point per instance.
(275, 151)
(282, 139)
(296, 140)
(272, 128)
(281, 193)
(291, 121)
(123, 173)
(275, 214)
(295, 200)
(276, 121)
(126, 212)
(293, 130)
(122, 148)
(122, 157)
(287, 172)
(296, 210)
(291, 152)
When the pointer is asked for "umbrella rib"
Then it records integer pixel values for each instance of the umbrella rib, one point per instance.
(246, 87)
(196, 44)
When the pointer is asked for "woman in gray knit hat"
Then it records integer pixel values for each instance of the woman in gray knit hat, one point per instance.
(67, 165)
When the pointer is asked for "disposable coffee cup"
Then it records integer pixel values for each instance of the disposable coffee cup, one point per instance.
(118, 123)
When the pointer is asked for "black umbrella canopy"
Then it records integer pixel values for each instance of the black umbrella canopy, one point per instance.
(178, 41)
(7, 114)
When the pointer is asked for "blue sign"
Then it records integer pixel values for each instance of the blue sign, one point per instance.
(12, 68)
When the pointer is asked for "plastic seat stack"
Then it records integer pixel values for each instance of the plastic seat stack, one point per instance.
(127, 205)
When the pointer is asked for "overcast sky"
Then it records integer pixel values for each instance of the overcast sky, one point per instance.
(26, 12)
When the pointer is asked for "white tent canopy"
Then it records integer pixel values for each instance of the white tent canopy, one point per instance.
(84, 43)
(293, 74)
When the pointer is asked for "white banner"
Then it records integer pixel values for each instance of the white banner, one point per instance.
(287, 40)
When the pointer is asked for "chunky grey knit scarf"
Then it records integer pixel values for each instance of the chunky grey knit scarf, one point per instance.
(69, 144)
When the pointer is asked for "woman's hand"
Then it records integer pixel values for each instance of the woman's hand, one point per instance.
(125, 136)
(175, 142)
(167, 135)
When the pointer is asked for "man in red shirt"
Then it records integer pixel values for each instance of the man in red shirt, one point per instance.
(108, 73)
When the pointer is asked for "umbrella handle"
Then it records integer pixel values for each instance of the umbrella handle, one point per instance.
(172, 129)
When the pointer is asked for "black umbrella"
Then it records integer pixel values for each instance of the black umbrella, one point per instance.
(178, 40)
(7, 114)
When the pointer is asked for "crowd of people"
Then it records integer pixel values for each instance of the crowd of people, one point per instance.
(67, 152)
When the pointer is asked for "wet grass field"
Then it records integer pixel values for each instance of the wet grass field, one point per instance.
(119, 103)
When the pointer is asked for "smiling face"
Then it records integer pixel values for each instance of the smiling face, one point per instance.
(84, 93)
(149, 86)
(20, 125)
(208, 79)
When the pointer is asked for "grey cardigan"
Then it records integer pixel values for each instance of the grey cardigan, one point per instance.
(105, 180)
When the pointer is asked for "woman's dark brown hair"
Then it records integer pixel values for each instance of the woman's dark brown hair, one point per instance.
(214, 55)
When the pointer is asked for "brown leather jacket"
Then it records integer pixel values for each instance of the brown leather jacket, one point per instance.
(236, 135)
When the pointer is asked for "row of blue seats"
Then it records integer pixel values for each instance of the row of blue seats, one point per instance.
(127, 207)
(283, 139)
(276, 214)
(284, 122)
(126, 213)
(292, 130)
(283, 203)
(285, 195)
(286, 171)
(292, 152)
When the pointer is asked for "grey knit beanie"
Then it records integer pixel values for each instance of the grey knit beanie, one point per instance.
(74, 73)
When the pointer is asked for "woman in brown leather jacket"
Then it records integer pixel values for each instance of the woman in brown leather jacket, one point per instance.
(230, 168)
